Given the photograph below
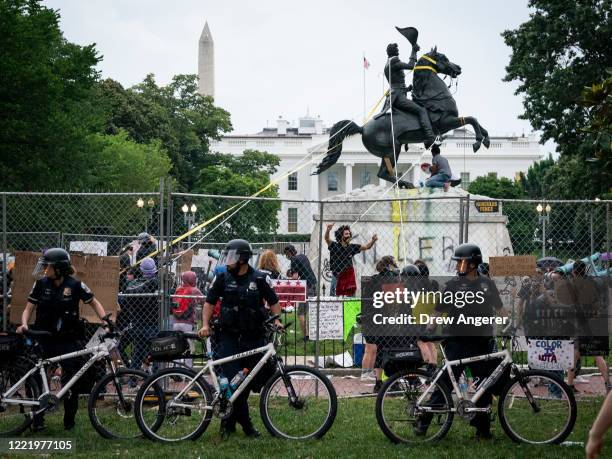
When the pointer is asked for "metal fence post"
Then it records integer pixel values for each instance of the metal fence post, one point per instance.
(163, 249)
(461, 204)
(4, 267)
(466, 225)
(319, 269)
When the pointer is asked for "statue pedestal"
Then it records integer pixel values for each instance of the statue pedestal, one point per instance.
(424, 224)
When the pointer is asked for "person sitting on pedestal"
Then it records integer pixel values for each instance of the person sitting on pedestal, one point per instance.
(440, 170)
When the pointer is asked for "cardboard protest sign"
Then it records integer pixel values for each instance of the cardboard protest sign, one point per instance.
(524, 265)
(184, 262)
(550, 354)
(101, 274)
(330, 319)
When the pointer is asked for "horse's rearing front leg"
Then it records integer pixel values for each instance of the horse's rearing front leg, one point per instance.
(463, 120)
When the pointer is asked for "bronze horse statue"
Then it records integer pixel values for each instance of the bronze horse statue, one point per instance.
(430, 91)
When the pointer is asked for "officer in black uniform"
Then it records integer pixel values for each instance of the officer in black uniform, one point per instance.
(56, 297)
(468, 340)
(243, 291)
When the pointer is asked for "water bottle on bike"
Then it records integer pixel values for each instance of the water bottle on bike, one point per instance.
(238, 378)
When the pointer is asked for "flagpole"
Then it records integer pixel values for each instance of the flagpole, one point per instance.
(364, 87)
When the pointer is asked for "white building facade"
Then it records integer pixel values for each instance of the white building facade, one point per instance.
(356, 167)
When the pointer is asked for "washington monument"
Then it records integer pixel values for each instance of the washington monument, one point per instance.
(206, 63)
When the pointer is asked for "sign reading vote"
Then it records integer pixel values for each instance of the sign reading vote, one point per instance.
(524, 265)
(487, 207)
(550, 354)
(329, 319)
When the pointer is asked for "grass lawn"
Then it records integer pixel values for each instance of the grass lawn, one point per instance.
(354, 434)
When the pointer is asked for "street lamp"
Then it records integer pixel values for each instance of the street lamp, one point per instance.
(543, 216)
(140, 203)
(189, 212)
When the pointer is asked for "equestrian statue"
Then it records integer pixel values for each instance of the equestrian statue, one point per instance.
(431, 112)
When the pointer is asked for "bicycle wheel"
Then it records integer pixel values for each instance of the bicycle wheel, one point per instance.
(16, 417)
(537, 408)
(313, 410)
(111, 404)
(398, 415)
(162, 414)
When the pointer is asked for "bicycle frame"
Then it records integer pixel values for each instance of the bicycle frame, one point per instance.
(97, 353)
(268, 352)
(448, 366)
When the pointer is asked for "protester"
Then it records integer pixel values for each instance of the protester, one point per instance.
(184, 310)
(147, 246)
(142, 312)
(341, 253)
(268, 263)
(301, 269)
(585, 300)
(429, 352)
(125, 261)
(439, 169)
(371, 366)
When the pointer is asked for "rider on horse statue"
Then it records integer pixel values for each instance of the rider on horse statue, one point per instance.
(394, 71)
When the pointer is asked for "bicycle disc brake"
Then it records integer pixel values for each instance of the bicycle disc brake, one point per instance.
(222, 408)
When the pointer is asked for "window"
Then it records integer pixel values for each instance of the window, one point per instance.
(332, 181)
(365, 178)
(293, 182)
(465, 179)
(292, 221)
(492, 175)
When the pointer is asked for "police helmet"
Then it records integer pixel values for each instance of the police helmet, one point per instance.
(56, 257)
(236, 250)
(468, 252)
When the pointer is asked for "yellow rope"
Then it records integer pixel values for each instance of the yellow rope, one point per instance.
(425, 67)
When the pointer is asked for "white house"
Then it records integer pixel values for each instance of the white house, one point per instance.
(506, 157)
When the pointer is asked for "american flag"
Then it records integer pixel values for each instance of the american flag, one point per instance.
(366, 64)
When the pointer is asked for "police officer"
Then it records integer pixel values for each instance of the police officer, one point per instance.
(243, 291)
(468, 340)
(56, 297)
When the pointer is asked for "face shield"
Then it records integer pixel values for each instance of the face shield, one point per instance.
(229, 257)
(462, 267)
(40, 268)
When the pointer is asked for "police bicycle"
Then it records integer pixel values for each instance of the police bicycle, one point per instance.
(296, 403)
(25, 389)
(534, 406)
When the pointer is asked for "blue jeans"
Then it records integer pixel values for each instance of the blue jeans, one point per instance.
(332, 286)
(437, 181)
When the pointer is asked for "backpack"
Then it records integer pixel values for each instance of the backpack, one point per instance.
(183, 308)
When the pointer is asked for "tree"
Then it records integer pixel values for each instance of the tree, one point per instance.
(563, 48)
(521, 215)
(533, 182)
(46, 112)
(189, 121)
(242, 175)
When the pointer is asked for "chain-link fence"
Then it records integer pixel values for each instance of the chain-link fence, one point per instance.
(188, 231)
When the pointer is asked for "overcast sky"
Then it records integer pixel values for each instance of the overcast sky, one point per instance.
(286, 57)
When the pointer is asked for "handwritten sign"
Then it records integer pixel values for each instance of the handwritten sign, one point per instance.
(289, 291)
(184, 262)
(524, 265)
(487, 207)
(550, 354)
(329, 320)
(101, 274)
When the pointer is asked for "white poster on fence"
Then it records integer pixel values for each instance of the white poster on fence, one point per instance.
(90, 247)
(550, 354)
(330, 321)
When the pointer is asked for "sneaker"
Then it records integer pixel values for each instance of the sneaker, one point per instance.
(421, 425)
(581, 380)
(250, 431)
(368, 375)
